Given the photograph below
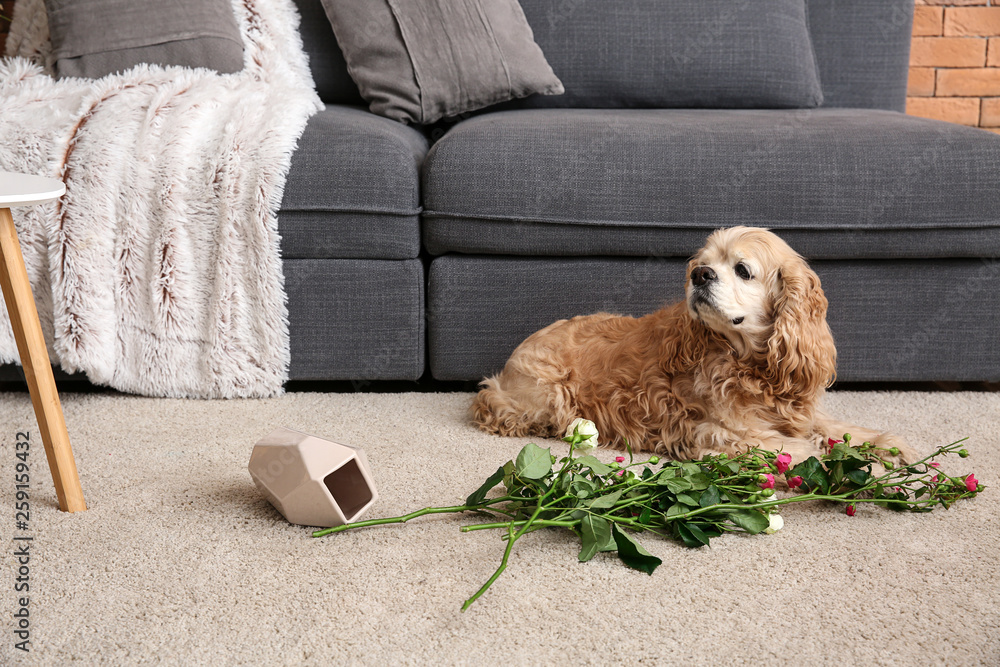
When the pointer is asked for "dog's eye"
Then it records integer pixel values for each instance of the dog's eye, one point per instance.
(742, 271)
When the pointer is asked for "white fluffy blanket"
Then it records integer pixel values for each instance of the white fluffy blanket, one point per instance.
(159, 271)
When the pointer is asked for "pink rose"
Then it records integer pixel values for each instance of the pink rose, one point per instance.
(620, 459)
(831, 442)
(783, 462)
(971, 483)
(934, 479)
(769, 483)
(850, 510)
(935, 464)
(620, 473)
(794, 482)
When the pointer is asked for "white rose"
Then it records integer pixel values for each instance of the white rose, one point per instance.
(587, 430)
(776, 523)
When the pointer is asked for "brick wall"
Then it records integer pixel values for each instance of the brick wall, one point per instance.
(954, 66)
(955, 62)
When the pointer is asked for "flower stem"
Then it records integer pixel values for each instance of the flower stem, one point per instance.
(513, 537)
(483, 506)
(503, 565)
(541, 523)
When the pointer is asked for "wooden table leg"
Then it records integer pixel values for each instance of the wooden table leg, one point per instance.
(37, 368)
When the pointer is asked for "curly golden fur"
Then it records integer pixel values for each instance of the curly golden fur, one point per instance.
(743, 361)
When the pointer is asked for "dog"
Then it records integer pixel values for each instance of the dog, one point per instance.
(742, 362)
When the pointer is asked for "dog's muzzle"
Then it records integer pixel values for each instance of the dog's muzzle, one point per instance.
(702, 296)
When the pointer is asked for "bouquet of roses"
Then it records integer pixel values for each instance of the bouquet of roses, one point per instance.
(690, 501)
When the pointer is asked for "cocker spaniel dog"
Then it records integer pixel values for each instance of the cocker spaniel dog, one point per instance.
(743, 361)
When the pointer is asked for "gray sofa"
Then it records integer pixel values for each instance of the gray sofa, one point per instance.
(410, 251)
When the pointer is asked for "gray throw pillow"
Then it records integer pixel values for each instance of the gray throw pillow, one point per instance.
(92, 38)
(677, 53)
(422, 60)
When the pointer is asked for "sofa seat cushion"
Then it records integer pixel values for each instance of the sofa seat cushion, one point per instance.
(355, 319)
(892, 320)
(836, 183)
(353, 190)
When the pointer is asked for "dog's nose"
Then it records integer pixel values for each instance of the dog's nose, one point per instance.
(703, 274)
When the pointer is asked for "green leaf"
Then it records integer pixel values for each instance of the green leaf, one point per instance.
(836, 472)
(479, 495)
(690, 468)
(859, 477)
(595, 533)
(700, 481)
(843, 451)
(632, 553)
(508, 476)
(596, 466)
(751, 521)
(533, 462)
(606, 501)
(681, 530)
(581, 487)
(676, 509)
(646, 515)
(813, 475)
(856, 464)
(687, 500)
(692, 535)
(710, 496)
(564, 482)
(676, 484)
(610, 545)
(711, 530)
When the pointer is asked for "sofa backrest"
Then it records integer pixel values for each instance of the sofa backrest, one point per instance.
(863, 50)
(333, 82)
(862, 47)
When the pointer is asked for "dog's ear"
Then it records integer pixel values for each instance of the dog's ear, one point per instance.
(801, 356)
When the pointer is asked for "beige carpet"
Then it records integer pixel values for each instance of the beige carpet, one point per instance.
(180, 561)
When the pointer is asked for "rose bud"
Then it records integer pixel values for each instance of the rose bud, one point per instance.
(775, 523)
(584, 432)
(971, 483)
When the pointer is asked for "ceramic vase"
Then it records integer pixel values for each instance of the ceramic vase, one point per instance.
(310, 480)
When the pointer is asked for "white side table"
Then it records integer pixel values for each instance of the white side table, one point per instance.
(24, 190)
